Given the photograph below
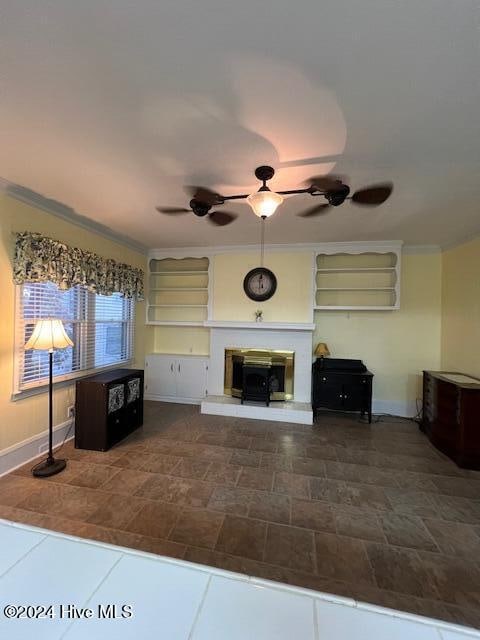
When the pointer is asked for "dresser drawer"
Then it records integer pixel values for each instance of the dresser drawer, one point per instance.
(451, 410)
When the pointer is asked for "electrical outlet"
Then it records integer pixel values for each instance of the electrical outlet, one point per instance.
(71, 411)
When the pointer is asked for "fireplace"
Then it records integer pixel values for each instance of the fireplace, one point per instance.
(273, 366)
(290, 340)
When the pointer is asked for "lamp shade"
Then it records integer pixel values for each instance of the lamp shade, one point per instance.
(321, 350)
(264, 202)
(48, 335)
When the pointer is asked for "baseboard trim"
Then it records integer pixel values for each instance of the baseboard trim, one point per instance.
(175, 399)
(402, 409)
(23, 452)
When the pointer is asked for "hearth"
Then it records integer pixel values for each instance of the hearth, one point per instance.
(259, 374)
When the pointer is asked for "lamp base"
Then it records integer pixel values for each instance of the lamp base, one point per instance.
(48, 467)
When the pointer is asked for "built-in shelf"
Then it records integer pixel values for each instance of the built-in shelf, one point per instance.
(180, 292)
(358, 279)
(347, 277)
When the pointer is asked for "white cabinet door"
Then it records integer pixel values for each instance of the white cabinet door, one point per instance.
(191, 377)
(161, 375)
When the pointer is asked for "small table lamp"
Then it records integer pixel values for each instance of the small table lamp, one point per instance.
(49, 335)
(321, 350)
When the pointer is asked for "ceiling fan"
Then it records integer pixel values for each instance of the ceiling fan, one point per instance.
(264, 202)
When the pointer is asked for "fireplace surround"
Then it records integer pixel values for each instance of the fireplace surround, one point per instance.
(295, 338)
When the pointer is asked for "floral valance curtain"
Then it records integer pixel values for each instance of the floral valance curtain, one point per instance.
(40, 259)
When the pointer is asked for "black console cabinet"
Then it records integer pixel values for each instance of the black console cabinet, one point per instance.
(108, 407)
(342, 385)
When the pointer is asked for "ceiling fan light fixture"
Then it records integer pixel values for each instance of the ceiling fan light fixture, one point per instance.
(264, 202)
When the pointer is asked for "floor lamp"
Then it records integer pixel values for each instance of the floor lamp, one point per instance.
(49, 335)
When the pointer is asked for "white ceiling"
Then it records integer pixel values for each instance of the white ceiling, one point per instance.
(111, 106)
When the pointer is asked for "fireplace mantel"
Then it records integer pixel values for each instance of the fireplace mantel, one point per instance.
(281, 326)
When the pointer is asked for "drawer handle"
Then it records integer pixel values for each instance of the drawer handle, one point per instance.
(324, 379)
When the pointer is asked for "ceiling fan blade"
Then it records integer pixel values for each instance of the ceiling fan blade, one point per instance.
(329, 182)
(172, 210)
(374, 195)
(314, 211)
(207, 196)
(222, 218)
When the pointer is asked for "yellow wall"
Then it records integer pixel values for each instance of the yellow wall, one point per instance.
(28, 417)
(438, 324)
(181, 340)
(292, 301)
(395, 345)
(461, 308)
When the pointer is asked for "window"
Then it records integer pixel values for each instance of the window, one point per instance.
(101, 328)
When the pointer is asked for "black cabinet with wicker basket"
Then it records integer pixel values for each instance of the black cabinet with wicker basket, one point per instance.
(108, 407)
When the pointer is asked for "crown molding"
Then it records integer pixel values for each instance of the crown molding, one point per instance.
(202, 252)
(60, 210)
(33, 199)
(410, 249)
(458, 243)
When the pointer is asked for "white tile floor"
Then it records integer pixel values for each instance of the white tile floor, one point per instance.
(173, 600)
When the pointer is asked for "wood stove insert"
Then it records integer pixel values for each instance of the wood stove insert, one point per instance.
(277, 365)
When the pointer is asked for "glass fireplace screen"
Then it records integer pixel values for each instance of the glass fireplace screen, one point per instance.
(281, 370)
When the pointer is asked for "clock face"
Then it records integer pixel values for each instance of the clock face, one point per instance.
(260, 284)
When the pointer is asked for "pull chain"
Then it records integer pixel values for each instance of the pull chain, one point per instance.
(262, 241)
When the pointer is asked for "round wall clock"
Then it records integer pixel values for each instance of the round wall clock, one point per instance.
(260, 284)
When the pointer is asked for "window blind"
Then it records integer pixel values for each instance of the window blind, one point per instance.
(101, 328)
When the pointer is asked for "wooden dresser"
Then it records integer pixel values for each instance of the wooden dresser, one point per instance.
(108, 406)
(451, 415)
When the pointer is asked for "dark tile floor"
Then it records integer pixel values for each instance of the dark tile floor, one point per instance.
(368, 511)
